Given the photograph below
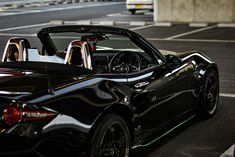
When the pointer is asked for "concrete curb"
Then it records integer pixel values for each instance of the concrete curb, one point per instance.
(226, 25)
(57, 22)
(198, 24)
(137, 23)
(163, 24)
(83, 22)
(103, 23)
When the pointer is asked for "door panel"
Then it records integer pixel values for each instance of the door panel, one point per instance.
(160, 95)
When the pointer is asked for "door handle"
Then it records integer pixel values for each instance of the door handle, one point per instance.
(141, 84)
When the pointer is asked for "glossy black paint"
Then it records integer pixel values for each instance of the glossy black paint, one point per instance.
(149, 100)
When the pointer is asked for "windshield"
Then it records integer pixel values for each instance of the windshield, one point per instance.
(101, 41)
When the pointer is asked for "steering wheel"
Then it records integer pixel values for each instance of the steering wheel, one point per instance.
(125, 62)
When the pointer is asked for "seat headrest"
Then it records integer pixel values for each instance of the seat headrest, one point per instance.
(78, 53)
(76, 56)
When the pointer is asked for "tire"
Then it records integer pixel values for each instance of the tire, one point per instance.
(210, 95)
(111, 138)
(132, 12)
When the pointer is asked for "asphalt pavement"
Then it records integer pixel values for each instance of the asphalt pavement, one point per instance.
(209, 138)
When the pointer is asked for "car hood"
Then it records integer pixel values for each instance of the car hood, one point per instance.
(20, 82)
(178, 54)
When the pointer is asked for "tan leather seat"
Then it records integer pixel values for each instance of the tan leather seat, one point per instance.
(78, 53)
(16, 50)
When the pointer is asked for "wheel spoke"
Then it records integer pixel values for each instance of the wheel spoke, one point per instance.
(107, 152)
(117, 68)
(133, 68)
(211, 93)
(114, 143)
(121, 141)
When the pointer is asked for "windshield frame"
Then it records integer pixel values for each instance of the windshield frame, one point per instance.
(138, 40)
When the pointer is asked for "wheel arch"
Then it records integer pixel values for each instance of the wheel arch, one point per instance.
(210, 67)
(120, 110)
(207, 69)
(213, 66)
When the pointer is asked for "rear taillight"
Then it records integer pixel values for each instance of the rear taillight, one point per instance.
(11, 115)
(14, 114)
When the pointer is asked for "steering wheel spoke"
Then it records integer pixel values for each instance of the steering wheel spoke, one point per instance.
(134, 68)
(125, 59)
(117, 68)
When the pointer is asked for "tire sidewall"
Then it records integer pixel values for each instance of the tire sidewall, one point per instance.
(102, 128)
(204, 111)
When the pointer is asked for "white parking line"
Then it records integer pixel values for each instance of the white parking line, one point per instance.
(230, 152)
(192, 40)
(23, 27)
(227, 95)
(142, 27)
(190, 32)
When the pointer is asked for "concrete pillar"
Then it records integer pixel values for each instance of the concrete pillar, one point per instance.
(163, 11)
(206, 12)
(182, 9)
(228, 13)
(194, 10)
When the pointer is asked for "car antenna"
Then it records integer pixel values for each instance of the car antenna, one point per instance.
(50, 89)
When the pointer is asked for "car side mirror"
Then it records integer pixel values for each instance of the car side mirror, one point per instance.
(173, 61)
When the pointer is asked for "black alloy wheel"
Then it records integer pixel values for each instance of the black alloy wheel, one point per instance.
(111, 138)
(210, 96)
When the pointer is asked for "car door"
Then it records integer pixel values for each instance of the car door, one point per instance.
(160, 94)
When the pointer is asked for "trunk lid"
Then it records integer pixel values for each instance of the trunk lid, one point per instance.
(19, 80)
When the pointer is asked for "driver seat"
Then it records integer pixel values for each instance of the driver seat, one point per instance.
(78, 53)
(16, 50)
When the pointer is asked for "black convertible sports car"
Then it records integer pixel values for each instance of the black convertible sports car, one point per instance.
(97, 91)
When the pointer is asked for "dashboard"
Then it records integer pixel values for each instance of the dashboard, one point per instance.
(102, 58)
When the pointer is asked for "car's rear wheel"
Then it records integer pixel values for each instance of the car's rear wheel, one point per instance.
(132, 11)
(111, 138)
(210, 97)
